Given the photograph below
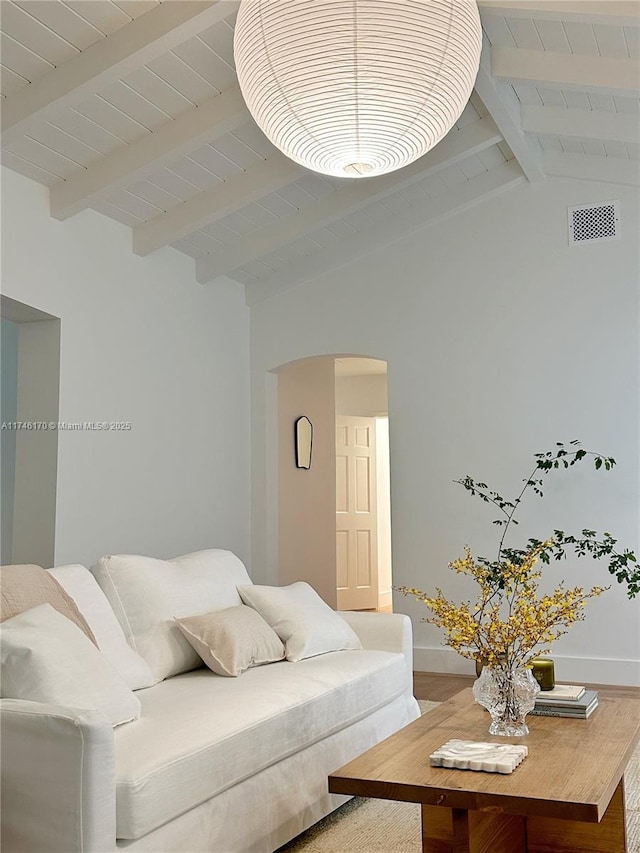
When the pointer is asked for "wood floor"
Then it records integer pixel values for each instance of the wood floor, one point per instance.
(438, 687)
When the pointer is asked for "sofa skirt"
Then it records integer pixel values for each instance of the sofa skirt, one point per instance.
(268, 809)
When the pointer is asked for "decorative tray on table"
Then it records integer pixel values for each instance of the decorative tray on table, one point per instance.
(473, 755)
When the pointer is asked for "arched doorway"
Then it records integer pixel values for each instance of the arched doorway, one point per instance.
(350, 568)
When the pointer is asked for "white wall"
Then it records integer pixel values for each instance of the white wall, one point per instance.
(365, 396)
(500, 340)
(8, 413)
(141, 342)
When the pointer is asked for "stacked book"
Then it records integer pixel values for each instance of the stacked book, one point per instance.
(566, 700)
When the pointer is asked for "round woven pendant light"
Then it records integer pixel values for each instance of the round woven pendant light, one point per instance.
(356, 88)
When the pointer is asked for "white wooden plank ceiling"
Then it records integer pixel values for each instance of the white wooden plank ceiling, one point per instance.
(131, 107)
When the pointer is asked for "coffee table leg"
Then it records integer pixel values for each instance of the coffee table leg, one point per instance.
(571, 836)
(460, 826)
(447, 830)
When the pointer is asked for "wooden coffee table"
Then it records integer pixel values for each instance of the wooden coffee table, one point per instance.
(566, 797)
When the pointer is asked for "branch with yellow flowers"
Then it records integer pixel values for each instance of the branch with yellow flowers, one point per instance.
(507, 627)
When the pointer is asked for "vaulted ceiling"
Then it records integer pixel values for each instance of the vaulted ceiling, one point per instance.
(131, 108)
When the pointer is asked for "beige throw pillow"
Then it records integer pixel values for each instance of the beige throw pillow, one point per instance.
(24, 587)
(230, 641)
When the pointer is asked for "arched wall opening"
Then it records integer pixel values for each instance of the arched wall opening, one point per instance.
(332, 523)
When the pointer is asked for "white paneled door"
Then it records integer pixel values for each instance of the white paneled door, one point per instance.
(356, 513)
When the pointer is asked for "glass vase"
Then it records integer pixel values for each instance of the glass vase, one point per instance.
(508, 694)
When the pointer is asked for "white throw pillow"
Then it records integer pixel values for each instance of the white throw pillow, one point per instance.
(147, 595)
(47, 658)
(230, 641)
(304, 622)
(92, 603)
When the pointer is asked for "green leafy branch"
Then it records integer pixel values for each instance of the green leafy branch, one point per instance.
(622, 564)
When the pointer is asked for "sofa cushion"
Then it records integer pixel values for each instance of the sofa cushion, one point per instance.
(303, 621)
(47, 658)
(80, 584)
(232, 640)
(199, 734)
(24, 587)
(147, 595)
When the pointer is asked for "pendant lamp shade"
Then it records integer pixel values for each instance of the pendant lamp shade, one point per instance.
(356, 88)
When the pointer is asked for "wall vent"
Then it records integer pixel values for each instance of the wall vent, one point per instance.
(591, 222)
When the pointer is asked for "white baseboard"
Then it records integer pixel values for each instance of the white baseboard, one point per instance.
(440, 660)
(587, 670)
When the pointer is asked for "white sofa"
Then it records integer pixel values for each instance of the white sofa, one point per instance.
(213, 764)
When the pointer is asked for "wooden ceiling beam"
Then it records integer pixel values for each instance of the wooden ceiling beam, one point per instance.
(134, 162)
(109, 60)
(504, 107)
(609, 170)
(456, 146)
(625, 13)
(566, 70)
(432, 212)
(581, 124)
(211, 205)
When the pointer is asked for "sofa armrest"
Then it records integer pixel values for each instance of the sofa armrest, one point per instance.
(389, 632)
(58, 779)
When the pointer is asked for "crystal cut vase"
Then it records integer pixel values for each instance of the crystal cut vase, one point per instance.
(508, 694)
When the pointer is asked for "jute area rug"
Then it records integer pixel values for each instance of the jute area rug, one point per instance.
(382, 826)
